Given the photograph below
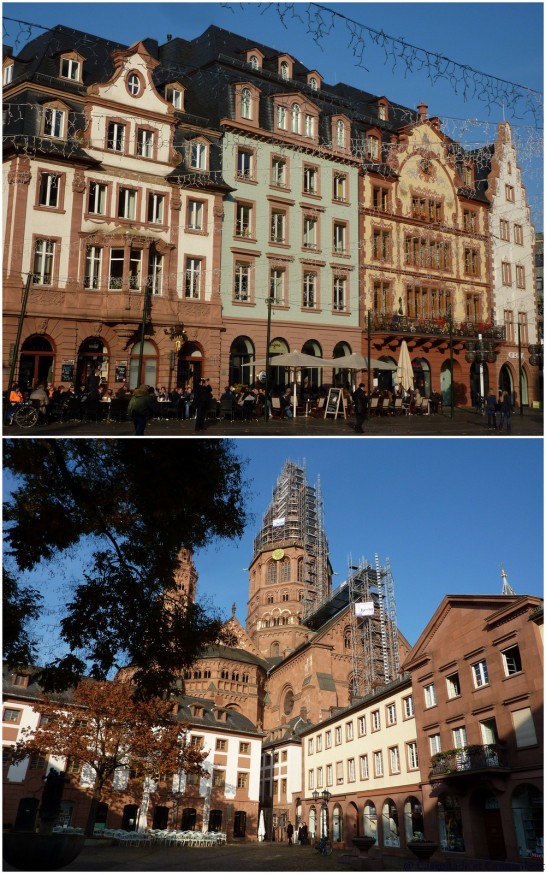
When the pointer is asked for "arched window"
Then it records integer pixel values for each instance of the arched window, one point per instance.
(370, 820)
(275, 649)
(254, 62)
(413, 818)
(246, 103)
(347, 638)
(295, 117)
(288, 705)
(272, 572)
(300, 571)
(148, 372)
(340, 133)
(527, 812)
(270, 599)
(284, 70)
(285, 570)
(285, 596)
(450, 824)
(337, 823)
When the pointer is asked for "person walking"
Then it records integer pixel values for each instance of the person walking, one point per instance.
(491, 410)
(141, 408)
(289, 833)
(202, 397)
(360, 399)
(505, 411)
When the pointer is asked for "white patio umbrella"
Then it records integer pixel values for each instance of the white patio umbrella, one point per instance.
(354, 361)
(404, 371)
(261, 827)
(295, 361)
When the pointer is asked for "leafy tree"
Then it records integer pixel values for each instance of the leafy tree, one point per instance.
(127, 507)
(19, 605)
(104, 727)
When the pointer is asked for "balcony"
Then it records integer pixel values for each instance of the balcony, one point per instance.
(435, 327)
(467, 760)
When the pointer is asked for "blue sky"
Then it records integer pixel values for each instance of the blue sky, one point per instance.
(504, 40)
(446, 513)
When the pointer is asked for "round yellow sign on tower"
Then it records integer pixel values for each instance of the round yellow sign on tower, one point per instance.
(277, 554)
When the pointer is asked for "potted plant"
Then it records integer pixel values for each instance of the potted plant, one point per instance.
(421, 847)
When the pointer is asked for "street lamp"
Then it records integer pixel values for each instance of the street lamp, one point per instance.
(269, 302)
(177, 334)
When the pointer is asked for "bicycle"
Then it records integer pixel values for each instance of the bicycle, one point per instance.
(324, 847)
(26, 415)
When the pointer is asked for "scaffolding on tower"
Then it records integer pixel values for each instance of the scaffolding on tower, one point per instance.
(295, 517)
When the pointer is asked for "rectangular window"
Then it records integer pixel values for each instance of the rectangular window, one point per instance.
(376, 720)
(510, 193)
(338, 735)
(218, 778)
(127, 203)
(309, 125)
(471, 262)
(116, 136)
(380, 198)
(278, 226)
(509, 325)
(339, 772)
(49, 190)
(145, 143)
(505, 230)
(381, 245)
(408, 707)
(310, 180)
(413, 755)
(435, 743)
(192, 288)
(8, 74)
(135, 269)
(339, 302)
(93, 264)
(319, 743)
(327, 739)
(430, 695)
(241, 289)
(520, 276)
(329, 775)
(394, 760)
(97, 198)
(480, 674)
(309, 290)
(73, 765)
(244, 748)
(281, 117)
(311, 778)
(511, 660)
(518, 234)
(11, 715)
(242, 779)
(278, 172)
(6, 751)
(198, 156)
(391, 714)
(361, 726)
(221, 744)
(53, 123)
(245, 160)
(340, 187)
(175, 97)
(453, 686)
(349, 731)
(320, 778)
(310, 746)
(340, 238)
(243, 220)
(195, 215)
(43, 262)
(351, 776)
(524, 727)
(506, 273)
(276, 292)
(310, 228)
(156, 207)
(378, 763)
(459, 737)
(470, 221)
(489, 731)
(364, 772)
(197, 741)
(115, 276)
(70, 69)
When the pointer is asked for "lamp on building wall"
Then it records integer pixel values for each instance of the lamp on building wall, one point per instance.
(316, 795)
(177, 334)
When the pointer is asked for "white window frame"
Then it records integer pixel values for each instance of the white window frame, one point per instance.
(127, 198)
(198, 156)
(246, 103)
(435, 744)
(96, 202)
(278, 226)
(340, 238)
(155, 273)
(413, 755)
(134, 85)
(54, 122)
(116, 136)
(510, 663)
(8, 74)
(278, 172)
(73, 68)
(277, 279)
(50, 186)
(145, 143)
(430, 695)
(391, 713)
(93, 267)
(192, 278)
(241, 281)
(44, 252)
(480, 673)
(309, 300)
(310, 232)
(378, 763)
(195, 215)
(409, 709)
(394, 760)
(364, 769)
(376, 720)
(156, 208)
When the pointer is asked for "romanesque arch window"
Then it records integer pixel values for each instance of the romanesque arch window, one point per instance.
(288, 704)
(271, 572)
(300, 595)
(246, 103)
(285, 570)
(300, 570)
(347, 638)
(275, 649)
(270, 599)
(295, 118)
(285, 596)
(234, 676)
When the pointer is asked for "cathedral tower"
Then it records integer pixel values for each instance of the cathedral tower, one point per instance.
(290, 574)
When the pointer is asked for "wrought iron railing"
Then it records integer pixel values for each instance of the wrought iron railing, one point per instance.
(385, 322)
(471, 758)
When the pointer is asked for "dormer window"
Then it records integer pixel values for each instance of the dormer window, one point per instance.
(198, 155)
(7, 76)
(54, 121)
(313, 83)
(175, 95)
(340, 134)
(246, 103)
(285, 70)
(71, 69)
(221, 715)
(383, 112)
(254, 62)
(196, 710)
(372, 147)
(295, 118)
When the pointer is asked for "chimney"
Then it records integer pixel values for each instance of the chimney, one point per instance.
(422, 109)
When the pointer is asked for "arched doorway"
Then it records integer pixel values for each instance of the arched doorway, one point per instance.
(298, 818)
(450, 824)
(341, 375)
(311, 378)
(413, 818)
(528, 816)
(35, 362)
(240, 353)
(25, 818)
(313, 822)
(389, 822)
(421, 376)
(148, 372)
(277, 375)
(353, 821)
(506, 380)
(239, 824)
(479, 377)
(445, 383)
(487, 826)
(128, 822)
(386, 378)
(92, 355)
(337, 823)
(190, 366)
(369, 820)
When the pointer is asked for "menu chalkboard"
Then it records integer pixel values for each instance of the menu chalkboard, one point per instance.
(121, 371)
(332, 404)
(67, 371)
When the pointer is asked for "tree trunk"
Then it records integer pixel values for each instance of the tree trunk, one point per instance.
(95, 799)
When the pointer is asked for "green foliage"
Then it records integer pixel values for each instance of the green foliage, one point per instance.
(19, 605)
(127, 507)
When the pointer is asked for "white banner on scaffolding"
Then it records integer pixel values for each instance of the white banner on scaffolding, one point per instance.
(364, 608)
(278, 523)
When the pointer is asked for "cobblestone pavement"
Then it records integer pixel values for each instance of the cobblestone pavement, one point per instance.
(464, 423)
